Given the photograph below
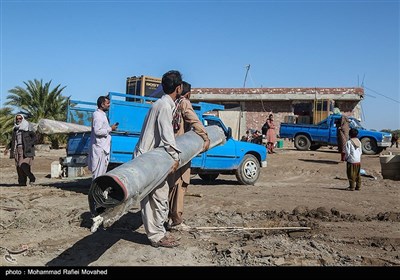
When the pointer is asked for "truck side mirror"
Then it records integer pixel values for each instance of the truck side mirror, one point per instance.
(229, 135)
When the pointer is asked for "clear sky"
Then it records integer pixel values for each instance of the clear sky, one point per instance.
(91, 47)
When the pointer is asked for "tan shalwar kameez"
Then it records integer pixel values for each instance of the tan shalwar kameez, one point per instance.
(181, 179)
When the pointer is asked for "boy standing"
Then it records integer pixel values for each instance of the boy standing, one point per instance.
(353, 158)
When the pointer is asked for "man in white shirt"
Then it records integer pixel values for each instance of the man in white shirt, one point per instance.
(100, 139)
(157, 131)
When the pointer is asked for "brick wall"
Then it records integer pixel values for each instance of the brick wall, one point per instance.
(257, 112)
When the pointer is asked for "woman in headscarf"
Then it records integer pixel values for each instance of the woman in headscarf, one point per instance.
(271, 135)
(22, 149)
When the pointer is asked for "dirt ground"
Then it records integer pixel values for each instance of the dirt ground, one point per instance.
(49, 224)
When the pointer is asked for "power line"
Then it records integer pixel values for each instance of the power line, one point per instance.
(382, 95)
(369, 95)
(254, 85)
(251, 78)
(362, 112)
(245, 77)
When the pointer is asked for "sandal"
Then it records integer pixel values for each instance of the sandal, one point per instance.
(167, 242)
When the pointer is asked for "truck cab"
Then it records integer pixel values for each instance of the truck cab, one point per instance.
(234, 157)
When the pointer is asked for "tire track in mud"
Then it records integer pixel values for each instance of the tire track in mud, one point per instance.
(318, 247)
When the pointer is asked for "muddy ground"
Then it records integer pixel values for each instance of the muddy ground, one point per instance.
(49, 224)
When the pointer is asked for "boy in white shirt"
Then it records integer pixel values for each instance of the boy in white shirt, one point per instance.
(353, 153)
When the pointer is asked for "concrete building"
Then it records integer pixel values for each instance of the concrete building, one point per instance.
(247, 108)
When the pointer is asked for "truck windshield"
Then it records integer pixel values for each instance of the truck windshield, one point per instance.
(355, 123)
(209, 122)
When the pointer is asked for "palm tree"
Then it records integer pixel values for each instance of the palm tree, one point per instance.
(37, 101)
(6, 125)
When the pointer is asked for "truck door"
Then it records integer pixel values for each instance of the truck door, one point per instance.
(221, 157)
(333, 131)
(322, 132)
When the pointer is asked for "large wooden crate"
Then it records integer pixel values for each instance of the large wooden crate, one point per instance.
(142, 86)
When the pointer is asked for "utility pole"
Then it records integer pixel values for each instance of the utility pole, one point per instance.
(245, 77)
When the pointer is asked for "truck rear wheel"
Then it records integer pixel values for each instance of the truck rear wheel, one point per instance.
(209, 178)
(248, 171)
(302, 143)
(369, 146)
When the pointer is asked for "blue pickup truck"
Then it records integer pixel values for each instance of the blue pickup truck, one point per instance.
(324, 133)
(245, 160)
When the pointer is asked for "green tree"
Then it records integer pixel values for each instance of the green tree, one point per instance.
(6, 125)
(38, 101)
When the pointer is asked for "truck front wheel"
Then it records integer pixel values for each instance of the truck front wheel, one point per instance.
(369, 146)
(248, 171)
(302, 143)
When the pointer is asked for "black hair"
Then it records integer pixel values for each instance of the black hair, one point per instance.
(170, 81)
(186, 88)
(100, 100)
(353, 132)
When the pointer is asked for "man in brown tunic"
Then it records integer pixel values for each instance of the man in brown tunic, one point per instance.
(343, 128)
(184, 119)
